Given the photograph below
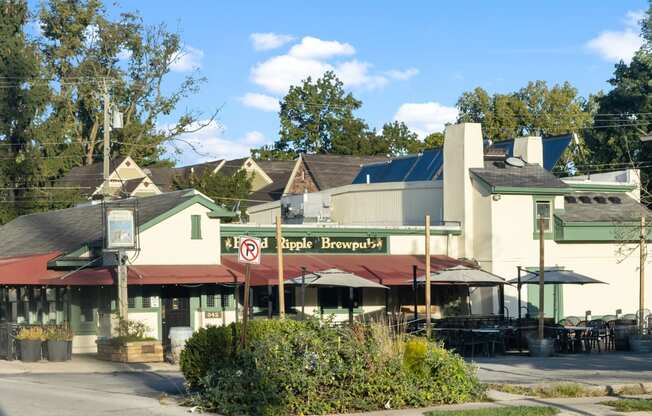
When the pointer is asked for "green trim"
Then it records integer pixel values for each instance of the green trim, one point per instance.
(197, 199)
(548, 235)
(195, 227)
(596, 232)
(601, 187)
(256, 231)
(338, 311)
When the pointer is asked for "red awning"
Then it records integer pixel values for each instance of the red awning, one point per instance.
(27, 270)
(388, 270)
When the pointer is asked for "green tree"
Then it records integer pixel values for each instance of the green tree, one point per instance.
(317, 117)
(624, 114)
(228, 190)
(434, 140)
(86, 51)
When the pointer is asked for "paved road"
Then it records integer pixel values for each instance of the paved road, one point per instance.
(90, 394)
(596, 369)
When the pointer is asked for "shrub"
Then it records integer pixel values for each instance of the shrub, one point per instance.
(59, 333)
(131, 331)
(313, 367)
(31, 333)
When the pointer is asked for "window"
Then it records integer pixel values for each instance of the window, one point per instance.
(195, 231)
(570, 199)
(600, 199)
(131, 302)
(585, 199)
(543, 210)
(614, 200)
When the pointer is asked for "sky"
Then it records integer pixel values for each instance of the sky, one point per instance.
(407, 61)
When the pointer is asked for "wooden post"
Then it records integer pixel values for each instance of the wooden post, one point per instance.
(641, 277)
(245, 307)
(303, 293)
(541, 278)
(519, 286)
(416, 294)
(427, 252)
(279, 256)
(123, 295)
(350, 305)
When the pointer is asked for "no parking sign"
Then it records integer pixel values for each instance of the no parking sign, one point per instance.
(249, 250)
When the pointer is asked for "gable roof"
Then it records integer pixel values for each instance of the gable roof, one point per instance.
(602, 207)
(553, 148)
(279, 171)
(331, 171)
(417, 167)
(498, 174)
(68, 229)
(88, 177)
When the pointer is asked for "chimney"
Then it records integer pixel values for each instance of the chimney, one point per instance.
(463, 150)
(530, 149)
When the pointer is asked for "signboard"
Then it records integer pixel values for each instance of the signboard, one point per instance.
(212, 314)
(249, 250)
(120, 228)
(314, 244)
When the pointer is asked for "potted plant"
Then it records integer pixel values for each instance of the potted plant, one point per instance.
(59, 338)
(30, 340)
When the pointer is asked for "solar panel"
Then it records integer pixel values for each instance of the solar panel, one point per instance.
(426, 166)
(398, 169)
(553, 149)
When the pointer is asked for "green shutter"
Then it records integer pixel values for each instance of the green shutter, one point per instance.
(195, 232)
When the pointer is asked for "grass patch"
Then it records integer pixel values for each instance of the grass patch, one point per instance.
(630, 405)
(550, 391)
(499, 411)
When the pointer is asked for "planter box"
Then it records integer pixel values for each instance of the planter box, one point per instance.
(58, 350)
(30, 351)
(130, 352)
(640, 344)
(540, 347)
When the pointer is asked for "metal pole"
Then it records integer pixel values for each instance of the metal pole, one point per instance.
(270, 303)
(520, 325)
(279, 256)
(414, 287)
(245, 314)
(303, 292)
(427, 247)
(541, 277)
(641, 277)
(350, 305)
(106, 159)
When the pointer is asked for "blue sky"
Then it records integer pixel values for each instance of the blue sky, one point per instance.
(404, 60)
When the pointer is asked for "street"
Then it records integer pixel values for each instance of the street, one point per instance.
(123, 393)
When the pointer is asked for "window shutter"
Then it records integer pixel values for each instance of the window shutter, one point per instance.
(195, 232)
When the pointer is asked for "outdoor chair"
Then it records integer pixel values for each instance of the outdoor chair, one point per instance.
(630, 317)
(597, 334)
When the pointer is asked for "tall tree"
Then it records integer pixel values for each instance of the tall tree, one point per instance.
(23, 97)
(317, 117)
(87, 52)
(624, 114)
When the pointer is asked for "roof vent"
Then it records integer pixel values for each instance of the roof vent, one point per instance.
(614, 200)
(585, 199)
(570, 199)
(600, 199)
(515, 161)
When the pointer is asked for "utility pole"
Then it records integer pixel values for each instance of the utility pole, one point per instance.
(279, 256)
(541, 277)
(123, 305)
(427, 252)
(641, 276)
(245, 306)
(106, 159)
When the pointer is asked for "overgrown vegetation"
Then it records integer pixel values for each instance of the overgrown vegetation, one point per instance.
(311, 367)
(499, 411)
(630, 405)
(131, 331)
(552, 390)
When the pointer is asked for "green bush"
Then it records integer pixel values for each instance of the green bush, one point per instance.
(313, 367)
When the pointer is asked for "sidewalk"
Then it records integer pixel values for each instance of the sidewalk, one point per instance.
(83, 363)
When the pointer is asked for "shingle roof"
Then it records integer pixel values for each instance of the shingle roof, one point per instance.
(279, 172)
(232, 166)
(162, 177)
(67, 229)
(498, 173)
(602, 207)
(331, 171)
(88, 177)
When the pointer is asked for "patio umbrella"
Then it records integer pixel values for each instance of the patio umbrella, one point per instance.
(555, 277)
(464, 275)
(330, 278)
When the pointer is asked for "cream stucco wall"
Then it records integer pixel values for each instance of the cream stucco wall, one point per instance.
(446, 245)
(264, 213)
(169, 241)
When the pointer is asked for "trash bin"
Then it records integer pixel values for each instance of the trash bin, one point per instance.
(178, 337)
(623, 328)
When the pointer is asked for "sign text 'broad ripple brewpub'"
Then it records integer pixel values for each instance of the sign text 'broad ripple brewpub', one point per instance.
(316, 244)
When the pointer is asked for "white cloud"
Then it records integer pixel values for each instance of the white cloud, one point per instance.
(187, 59)
(402, 74)
(425, 118)
(267, 41)
(613, 45)
(213, 143)
(260, 101)
(356, 74)
(277, 74)
(314, 48)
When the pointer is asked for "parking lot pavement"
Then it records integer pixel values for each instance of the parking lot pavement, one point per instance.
(125, 393)
(610, 368)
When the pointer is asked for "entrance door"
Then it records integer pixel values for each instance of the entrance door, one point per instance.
(176, 310)
(553, 300)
